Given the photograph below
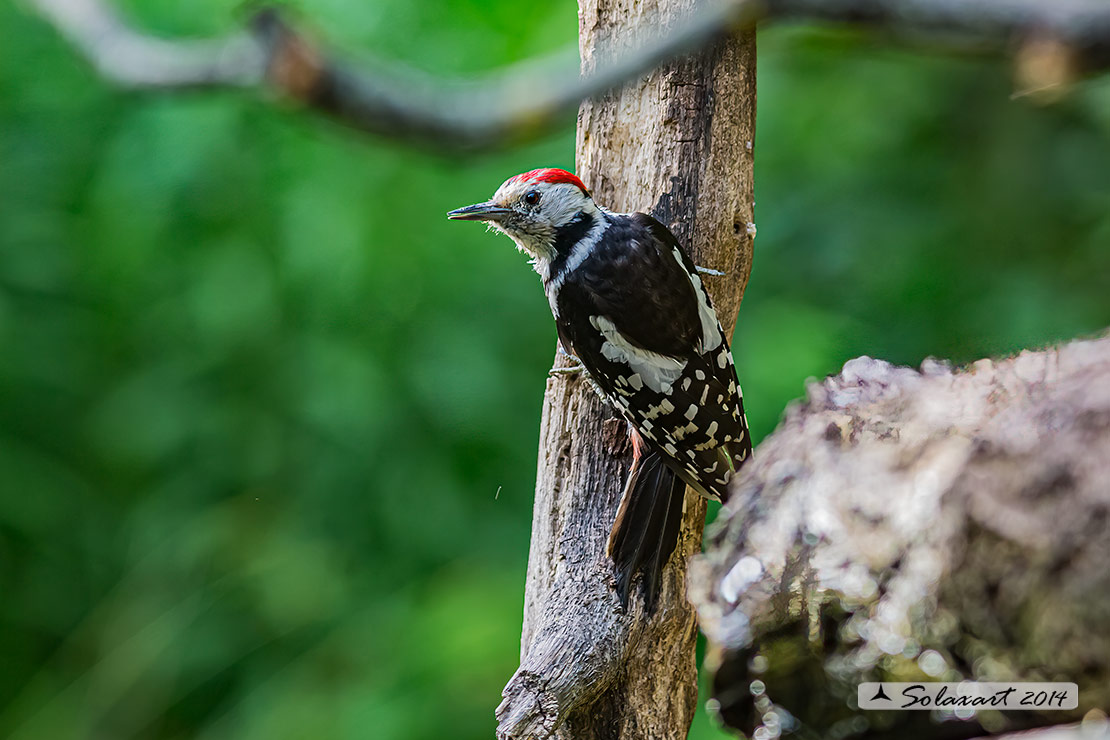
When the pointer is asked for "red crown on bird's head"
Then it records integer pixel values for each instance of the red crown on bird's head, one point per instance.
(552, 175)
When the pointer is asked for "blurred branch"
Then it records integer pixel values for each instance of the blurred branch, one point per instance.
(1054, 43)
(1085, 23)
(506, 107)
(132, 59)
(523, 102)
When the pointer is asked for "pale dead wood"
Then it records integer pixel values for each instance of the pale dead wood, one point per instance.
(900, 525)
(676, 144)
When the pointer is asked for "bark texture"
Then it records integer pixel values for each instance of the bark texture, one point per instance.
(904, 526)
(676, 144)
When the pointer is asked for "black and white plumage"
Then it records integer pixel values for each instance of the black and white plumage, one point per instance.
(630, 304)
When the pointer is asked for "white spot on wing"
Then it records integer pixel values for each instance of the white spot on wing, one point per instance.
(691, 412)
(658, 372)
(683, 432)
(710, 327)
(664, 407)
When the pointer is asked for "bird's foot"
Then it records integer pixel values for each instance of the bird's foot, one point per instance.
(574, 369)
(567, 371)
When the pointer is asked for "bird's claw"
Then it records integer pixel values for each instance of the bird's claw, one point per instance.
(578, 369)
(574, 369)
(566, 371)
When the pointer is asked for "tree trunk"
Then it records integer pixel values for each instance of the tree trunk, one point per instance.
(677, 144)
(909, 526)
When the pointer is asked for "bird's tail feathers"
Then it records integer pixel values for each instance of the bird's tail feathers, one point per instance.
(646, 529)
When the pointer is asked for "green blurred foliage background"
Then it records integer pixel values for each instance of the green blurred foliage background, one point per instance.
(268, 421)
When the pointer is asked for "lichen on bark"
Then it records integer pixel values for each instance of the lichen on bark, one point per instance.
(912, 525)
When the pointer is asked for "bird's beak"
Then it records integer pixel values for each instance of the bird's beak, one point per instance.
(480, 212)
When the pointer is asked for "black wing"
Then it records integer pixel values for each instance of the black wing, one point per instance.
(633, 276)
(636, 315)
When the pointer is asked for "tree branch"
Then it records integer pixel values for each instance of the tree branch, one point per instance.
(1082, 22)
(908, 526)
(507, 107)
(521, 103)
(132, 59)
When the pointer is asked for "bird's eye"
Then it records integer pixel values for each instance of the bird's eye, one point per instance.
(531, 197)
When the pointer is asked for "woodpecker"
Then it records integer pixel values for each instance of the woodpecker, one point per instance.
(629, 303)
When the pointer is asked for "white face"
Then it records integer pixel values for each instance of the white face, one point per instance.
(530, 213)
